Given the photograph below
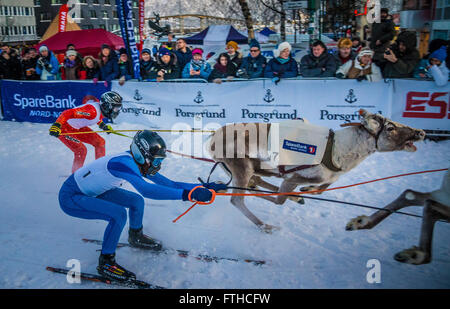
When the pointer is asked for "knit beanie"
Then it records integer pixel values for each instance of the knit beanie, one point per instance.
(146, 51)
(163, 51)
(43, 48)
(233, 44)
(440, 54)
(71, 52)
(365, 51)
(280, 48)
(197, 51)
(254, 43)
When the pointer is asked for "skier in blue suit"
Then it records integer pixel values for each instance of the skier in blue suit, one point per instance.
(93, 192)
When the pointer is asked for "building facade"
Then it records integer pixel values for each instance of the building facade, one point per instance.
(17, 21)
(440, 25)
(93, 14)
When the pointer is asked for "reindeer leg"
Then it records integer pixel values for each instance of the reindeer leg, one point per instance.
(422, 254)
(242, 175)
(406, 199)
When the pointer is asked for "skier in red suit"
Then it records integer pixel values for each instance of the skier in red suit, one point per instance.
(80, 118)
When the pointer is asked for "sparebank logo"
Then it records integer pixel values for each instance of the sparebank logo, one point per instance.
(48, 101)
(372, 11)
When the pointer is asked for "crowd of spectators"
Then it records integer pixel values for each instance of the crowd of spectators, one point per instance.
(386, 55)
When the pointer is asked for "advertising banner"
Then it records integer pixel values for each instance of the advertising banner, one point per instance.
(421, 104)
(63, 11)
(125, 14)
(323, 102)
(43, 102)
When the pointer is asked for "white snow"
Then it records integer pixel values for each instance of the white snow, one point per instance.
(312, 249)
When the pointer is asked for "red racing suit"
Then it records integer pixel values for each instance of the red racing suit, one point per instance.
(78, 120)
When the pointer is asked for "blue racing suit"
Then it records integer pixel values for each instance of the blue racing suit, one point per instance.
(93, 192)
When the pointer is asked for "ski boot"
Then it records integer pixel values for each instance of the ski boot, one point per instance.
(137, 239)
(108, 268)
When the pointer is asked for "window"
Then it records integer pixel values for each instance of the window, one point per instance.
(107, 2)
(56, 2)
(102, 27)
(94, 1)
(115, 14)
(105, 14)
(37, 2)
(447, 13)
(27, 11)
(14, 10)
(93, 14)
(24, 30)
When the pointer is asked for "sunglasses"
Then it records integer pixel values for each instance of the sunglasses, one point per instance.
(254, 50)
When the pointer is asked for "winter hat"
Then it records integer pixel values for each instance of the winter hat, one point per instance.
(71, 52)
(233, 44)
(440, 54)
(254, 43)
(163, 51)
(197, 51)
(280, 48)
(43, 48)
(105, 46)
(122, 51)
(366, 51)
(146, 50)
(344, 43)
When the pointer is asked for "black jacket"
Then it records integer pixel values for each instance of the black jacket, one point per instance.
(384, 31)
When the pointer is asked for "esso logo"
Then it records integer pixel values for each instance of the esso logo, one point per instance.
(432, 105)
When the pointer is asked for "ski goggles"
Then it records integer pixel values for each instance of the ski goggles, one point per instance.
(157, 162)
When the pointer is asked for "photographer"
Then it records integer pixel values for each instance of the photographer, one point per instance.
(253, 65)
(47, 65)
(401, 58)
(197, 67)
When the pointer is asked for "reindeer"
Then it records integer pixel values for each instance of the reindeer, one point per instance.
(346, 148)
(437, 207)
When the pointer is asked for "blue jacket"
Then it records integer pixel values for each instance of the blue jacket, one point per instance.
(276, 69)
(110, 70)
(52, 67)
(254, 67)
(205, 70)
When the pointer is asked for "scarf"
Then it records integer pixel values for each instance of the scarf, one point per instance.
(197, 64)
(70, 63)
(221, 68)
(283, 61)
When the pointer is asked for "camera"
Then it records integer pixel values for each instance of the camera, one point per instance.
(387, 52)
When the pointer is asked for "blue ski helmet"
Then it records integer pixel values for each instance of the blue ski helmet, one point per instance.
(148, 150)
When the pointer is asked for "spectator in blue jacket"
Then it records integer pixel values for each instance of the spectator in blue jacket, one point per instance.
(197, 67)
(125, 66)
(47, 66)
(434, 67)
(146, 63)
(109, 66)
(282, 65)
(183, 53)
(253, 65)
(319, 63)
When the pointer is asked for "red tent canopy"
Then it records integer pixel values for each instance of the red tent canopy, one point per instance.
(87, 42)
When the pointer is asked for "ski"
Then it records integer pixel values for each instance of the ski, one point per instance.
(135, 284)
(185, 254)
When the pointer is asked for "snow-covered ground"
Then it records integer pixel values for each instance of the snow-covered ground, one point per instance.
(312, 249)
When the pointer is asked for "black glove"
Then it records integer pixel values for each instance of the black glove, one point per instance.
(199, 195)
(340, 75)
(216, 186)
(40, 63)
(55, 129)
(105, 127)
(361, 78)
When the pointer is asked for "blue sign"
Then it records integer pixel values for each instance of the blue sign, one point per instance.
(125, 14)
(299, 147)
(43, 102)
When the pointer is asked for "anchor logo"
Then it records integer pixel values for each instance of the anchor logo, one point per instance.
(199, 98)
(269, 97)
(351, 98)
(137, 95)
